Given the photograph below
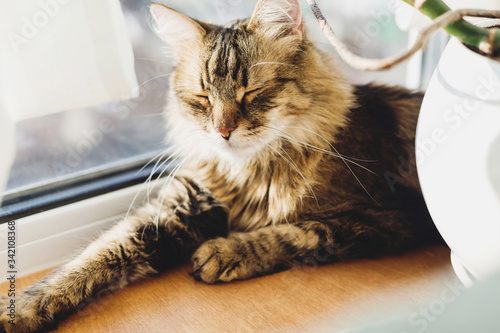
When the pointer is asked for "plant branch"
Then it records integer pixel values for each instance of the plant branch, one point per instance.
(374, 64)
(469, 34)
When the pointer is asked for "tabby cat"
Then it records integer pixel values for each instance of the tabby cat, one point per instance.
(280, 158)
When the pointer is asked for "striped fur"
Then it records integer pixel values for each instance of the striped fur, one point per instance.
(312, 167)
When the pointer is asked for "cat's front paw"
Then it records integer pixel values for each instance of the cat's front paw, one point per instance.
(223, 260)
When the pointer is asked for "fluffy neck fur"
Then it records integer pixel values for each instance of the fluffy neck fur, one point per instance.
(274, 183)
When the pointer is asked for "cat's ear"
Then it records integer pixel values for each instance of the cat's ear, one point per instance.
(277, 18)
(176, 29)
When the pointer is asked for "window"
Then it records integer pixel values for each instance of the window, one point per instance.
(80, 153)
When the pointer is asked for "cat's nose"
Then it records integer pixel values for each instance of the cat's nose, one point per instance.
(225, 131)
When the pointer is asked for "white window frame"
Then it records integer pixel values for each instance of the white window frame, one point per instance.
(51, 238)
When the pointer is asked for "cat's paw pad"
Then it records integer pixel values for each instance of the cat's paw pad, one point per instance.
(220, 260)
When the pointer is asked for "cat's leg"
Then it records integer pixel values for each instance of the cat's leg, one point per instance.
(243, 255)
(135, 248)
(350, 235)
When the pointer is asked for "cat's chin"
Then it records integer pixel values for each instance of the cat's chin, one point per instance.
(231, 152)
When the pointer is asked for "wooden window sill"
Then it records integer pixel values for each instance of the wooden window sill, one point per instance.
(338, 296)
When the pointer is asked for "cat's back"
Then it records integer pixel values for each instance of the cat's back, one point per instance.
(388, 111)
(379, 137)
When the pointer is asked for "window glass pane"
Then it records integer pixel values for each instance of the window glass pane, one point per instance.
(368, 28)
(83, 143)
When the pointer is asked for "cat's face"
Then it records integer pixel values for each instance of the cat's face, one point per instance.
(236, 88)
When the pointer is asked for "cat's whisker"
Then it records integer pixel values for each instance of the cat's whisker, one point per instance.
(341, 157)
(286, 220)
(159, 156)
(152, 59)
(291, 139)
(153, 78)
(312, 147)
(156, 219)
(151, 187)
(165, 190)
(149, 115)
(168, 52)
(171, 176)
(294, 140)
(329, 105)
(156, 168)
(164, 92)
(315, 148)
(296, 168)
(166, 185)
(358, 159)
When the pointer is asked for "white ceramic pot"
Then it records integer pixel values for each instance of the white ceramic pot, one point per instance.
(458, 158)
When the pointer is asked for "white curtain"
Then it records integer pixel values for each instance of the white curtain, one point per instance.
(60, 55)
(63, 54)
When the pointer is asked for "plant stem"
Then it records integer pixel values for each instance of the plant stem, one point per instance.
(479, 38)
(376, 64)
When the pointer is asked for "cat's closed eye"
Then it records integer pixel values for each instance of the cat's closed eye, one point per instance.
(203, 100)
(249, 95)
